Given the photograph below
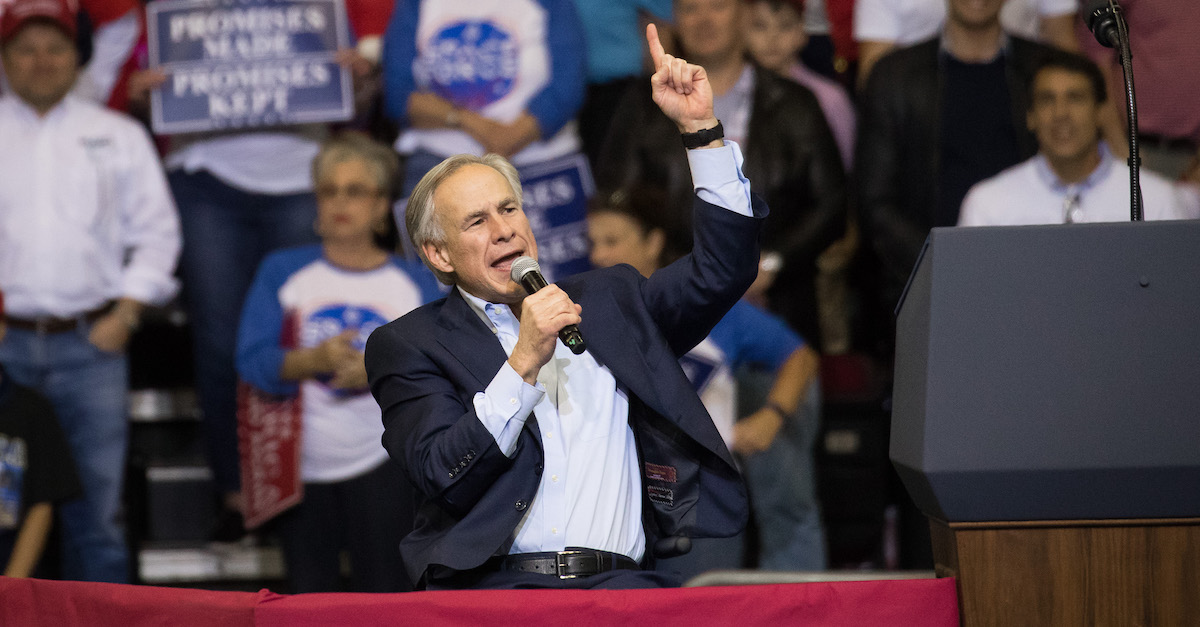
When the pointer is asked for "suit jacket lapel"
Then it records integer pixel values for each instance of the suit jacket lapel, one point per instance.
(605, 330)
(475, 346)
(469, 339)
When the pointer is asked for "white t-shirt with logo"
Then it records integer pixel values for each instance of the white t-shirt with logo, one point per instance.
(299, 300)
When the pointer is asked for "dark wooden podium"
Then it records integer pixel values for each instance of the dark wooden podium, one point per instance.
(1046, 418)
(1073, 572)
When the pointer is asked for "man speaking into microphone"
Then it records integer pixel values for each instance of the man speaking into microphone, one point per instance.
(539, 467)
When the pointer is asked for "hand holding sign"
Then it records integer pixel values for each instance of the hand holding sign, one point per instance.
(680, 89)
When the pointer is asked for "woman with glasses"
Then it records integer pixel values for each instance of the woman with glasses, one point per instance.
(303, 328)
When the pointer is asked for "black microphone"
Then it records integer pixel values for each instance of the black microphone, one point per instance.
(526, 272)
(1101, 19)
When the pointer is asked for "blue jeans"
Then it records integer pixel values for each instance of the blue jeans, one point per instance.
(88, 388)
(783, 493)
(226, 233)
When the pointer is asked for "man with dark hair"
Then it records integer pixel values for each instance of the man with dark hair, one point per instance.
(88, 236)
(1074, 177)
(539, 467)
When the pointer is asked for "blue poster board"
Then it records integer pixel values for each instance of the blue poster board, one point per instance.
(555, 196)
(247, 63)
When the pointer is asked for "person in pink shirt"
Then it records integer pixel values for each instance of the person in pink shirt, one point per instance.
(1166, 58)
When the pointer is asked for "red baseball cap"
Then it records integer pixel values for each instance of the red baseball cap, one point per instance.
(17, 13)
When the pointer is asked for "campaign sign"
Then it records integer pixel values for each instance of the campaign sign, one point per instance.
(555, 196)
(247, 63)
(269, 448)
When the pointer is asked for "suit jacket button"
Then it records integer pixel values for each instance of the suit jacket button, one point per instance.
(521, 505)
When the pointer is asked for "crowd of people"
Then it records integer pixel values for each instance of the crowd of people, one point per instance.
(862, 125)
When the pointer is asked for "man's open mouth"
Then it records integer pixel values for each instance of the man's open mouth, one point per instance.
(505, 262)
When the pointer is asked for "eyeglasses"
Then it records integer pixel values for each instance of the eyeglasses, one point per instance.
(1072, 212)
(351, 192)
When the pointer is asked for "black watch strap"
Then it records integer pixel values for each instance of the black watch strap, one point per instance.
(704, 137)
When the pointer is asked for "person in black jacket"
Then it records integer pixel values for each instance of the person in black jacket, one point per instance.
(936, 118)
(790, 154)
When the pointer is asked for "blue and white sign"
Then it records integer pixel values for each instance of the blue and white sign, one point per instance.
(246, 63)
(471, 63)
(555, 197)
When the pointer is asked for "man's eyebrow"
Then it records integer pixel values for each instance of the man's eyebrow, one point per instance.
(471, 217)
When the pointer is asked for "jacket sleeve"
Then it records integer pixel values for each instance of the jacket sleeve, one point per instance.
(822, 218)
(893, 236)
(435, 436)
(688, 297)
(559, 101)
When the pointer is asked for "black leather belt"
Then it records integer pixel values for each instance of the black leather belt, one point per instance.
(568, 564)
(50, 324)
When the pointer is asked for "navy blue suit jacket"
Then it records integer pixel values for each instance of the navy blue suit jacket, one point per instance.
(426, 367)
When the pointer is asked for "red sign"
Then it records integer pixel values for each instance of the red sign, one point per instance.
(269, 448)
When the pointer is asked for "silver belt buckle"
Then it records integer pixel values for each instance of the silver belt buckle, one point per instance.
(560, 563)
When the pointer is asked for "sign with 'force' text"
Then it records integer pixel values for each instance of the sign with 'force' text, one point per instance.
(247, 63)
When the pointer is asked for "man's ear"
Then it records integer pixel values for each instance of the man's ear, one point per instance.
(438, 256)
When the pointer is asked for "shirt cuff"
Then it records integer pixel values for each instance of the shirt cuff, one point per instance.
(718, 179)
(505, 405)
(148, 285)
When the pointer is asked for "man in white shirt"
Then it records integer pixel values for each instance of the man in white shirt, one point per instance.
(535, 464)
(1074, 177)
(88, 235)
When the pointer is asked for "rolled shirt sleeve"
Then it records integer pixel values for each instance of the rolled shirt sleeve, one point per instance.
(150, 229)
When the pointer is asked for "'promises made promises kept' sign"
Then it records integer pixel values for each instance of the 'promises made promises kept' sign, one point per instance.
(243, 63)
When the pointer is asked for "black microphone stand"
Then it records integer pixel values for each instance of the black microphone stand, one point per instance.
(1108, 25)
(1135, 155)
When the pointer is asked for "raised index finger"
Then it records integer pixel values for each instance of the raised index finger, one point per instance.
(656, 48)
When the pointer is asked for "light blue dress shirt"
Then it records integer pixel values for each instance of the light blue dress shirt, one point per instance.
(590, 490)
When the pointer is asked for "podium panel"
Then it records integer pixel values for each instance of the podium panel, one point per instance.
(1096, 573)
(1051, 373)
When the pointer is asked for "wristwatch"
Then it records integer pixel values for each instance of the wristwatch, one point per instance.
(703, 137)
